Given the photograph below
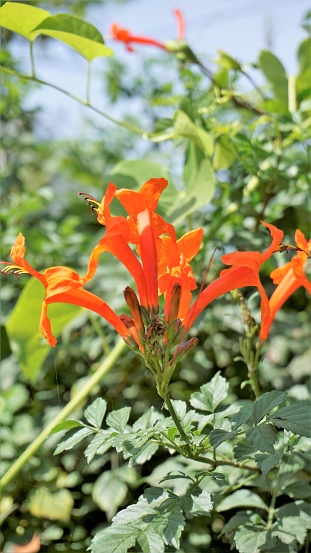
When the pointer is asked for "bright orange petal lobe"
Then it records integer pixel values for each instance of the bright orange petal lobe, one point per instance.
(146, 198)
(288, 278)
(125, 36)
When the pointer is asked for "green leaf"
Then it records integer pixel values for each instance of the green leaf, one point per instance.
(218, 436)
(266, 403)
(275, 74)
(211, 394)
(95, 413)
(225, 153)
(198, 502)
(52, 506)
(262, 437)
(118, 419)
(294, 519)
(175, 523)
(241, 498)
(226, 61)
(150, 542)
(243, 450)
(21, 18)
(115, 539)
(26, 340)
(69, 443)
(199, 192)
(266, 462)
(99, 444)
(109, 492)
(295, 418)
(143, 454)
(239, 519)
(185, 128)
(78, 34)
(66, 425)
(250, 538)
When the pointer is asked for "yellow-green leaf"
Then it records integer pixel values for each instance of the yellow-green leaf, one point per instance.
(184, 127)
(52, 506)
(25, 338)
(78, 34)
(21, 18)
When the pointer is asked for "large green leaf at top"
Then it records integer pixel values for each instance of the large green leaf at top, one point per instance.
(304, 74)
(78, 34)
(25, 338)
(275, 73)
(21, 18)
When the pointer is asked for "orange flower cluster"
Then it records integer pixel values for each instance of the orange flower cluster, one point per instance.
(160, 265)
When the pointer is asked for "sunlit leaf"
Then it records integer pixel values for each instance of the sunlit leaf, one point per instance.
(241, 498)
(78, 34)
(275, 74)
(27, 342)
(211, 394)
(295, 418)
(51, 506)
(95, 413)
(21, 18)
(66, 425)
(185, 128)
(266, 403)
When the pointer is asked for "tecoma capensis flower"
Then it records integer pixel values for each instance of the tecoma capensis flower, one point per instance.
(62, 285)
(128, 38)
(244, 272)
(288, 279)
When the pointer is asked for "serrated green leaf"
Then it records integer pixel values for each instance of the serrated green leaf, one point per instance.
(262, 437)
(241, 498)
(294, 519)
(99, 445)
(266, 462)
(109, 492)
(115, 539)
(95, 413)
(175, 523)
(118, 419)
(69, 443)
(27, 342)
(151, 542)
(239, 519)
(21, 18)
(295, 418)
(148, 419)
(185, 128)
(243, 450)
(76, 33)
(250, 538)
(216, 437)
(275, 74)
(66, 425)
(243, 415)
(201, 503)
(266, 403)
(211, 394)
(144, 454)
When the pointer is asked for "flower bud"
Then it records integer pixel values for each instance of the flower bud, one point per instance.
(175, 295)
(180, 352)
(132, 302)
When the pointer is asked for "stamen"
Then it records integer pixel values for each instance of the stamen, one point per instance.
(90, 200)
(14, 270)
(287, 247)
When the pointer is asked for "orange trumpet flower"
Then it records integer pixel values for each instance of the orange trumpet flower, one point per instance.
(124, 35)
(244, 272)
(62, 285)
(288, 278)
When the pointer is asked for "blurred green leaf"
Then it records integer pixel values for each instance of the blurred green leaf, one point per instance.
(185, 128)
(21, 18)
(241, 498)
(275, 74)
(69, 443)
(51, 506)
(26, 340)
(109, 492)
(78, 34)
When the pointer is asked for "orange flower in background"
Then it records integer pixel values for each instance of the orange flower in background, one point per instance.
(174, 268)
(244, 272)
(124, 35)
(288, 278)
(62, 285)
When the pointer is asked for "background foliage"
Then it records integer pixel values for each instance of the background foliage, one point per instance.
(232, 159)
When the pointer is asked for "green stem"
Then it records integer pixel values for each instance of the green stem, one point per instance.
(107, 364)
(271, 510)
(77, 99)
(176, 420)
(33, 72)
(216, 463)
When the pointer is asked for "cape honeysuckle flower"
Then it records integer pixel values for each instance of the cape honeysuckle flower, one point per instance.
(244, 272)
(288, 279)
(174, 268)
(125, 36)
(63, 285)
